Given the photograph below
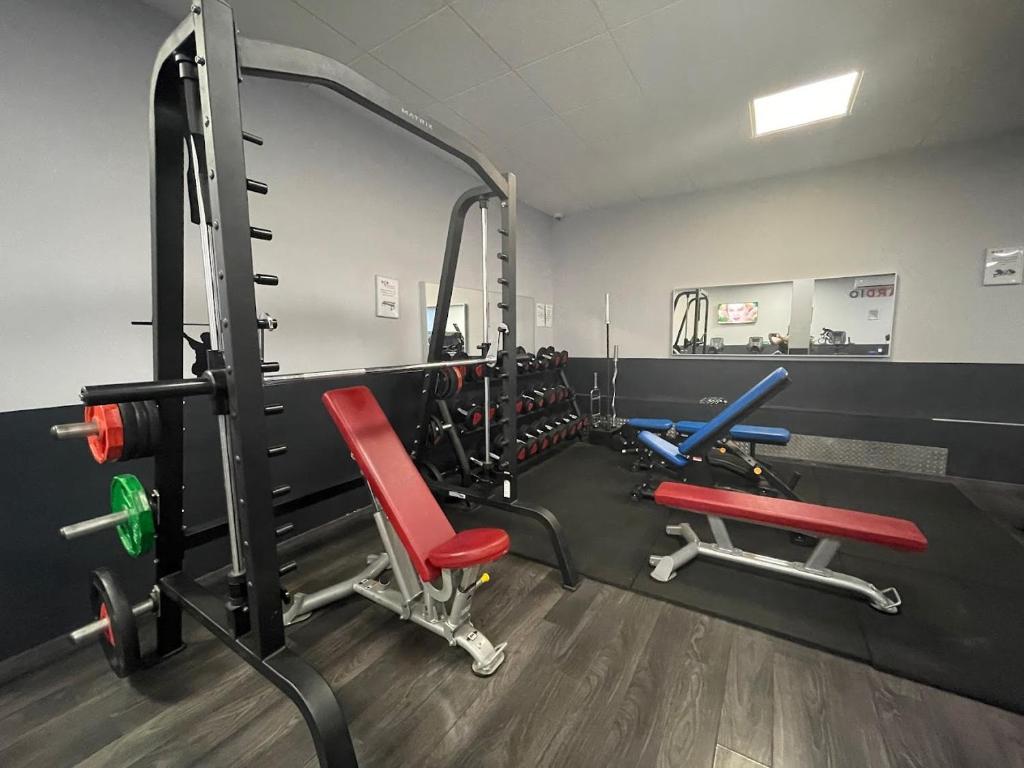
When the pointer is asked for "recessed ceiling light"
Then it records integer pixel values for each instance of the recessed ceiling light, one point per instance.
(805, 104)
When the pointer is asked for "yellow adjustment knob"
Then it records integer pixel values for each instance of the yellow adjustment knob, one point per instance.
(485, 577)
(757, 470)
(721, 450)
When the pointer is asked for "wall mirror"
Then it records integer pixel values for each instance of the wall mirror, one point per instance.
(834, 316)
(465, 318)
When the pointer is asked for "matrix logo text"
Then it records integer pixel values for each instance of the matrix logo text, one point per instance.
(416, 118)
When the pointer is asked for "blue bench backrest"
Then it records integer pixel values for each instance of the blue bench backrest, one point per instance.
(739, 408)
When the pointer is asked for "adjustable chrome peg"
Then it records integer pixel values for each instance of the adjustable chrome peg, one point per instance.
(256, 187)
(266, 323)
(284, 530)
(259, 233)
(287, 568)
(270, 367)
(281, 490)
(252, 138)
(274, 409)
(277, 450)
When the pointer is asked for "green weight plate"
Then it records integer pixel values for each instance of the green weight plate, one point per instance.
(138, 531)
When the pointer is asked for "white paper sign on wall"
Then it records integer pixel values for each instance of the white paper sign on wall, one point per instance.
(387, 296)
(549, 313)
(541, 315)
(1003, 266)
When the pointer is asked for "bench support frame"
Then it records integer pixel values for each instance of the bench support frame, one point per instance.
(814, 569)
(444, 611)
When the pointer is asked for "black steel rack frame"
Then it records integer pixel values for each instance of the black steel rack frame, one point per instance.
(195, 121)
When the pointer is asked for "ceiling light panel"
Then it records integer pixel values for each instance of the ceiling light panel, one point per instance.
(806, 104)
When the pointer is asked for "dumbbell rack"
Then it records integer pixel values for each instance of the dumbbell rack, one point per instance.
(196, 104)
(544, 409)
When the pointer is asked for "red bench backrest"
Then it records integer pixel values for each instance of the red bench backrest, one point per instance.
(391, 475)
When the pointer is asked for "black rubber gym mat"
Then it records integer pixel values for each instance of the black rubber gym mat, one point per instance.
(960, 628)
(965, 543)
(962, 637)
(607, 532)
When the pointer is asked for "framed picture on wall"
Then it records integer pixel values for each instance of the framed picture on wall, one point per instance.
(737, 313)
(1003, 266)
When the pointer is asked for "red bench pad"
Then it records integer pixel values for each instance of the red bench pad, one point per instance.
(393, 478)
(473, 547)
(785, 513)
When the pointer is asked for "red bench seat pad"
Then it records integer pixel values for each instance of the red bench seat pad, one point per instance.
(784, 513)
(393, 478)
(473, 547)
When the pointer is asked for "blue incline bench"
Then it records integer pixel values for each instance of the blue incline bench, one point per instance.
(711, 442)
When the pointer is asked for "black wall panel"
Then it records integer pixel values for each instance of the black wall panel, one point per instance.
(44, 580)
(865, 400)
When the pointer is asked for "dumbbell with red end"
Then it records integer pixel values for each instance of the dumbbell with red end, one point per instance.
(541, 435)
(116, 431)
(551, 396)
(478, 371)
(472, 415)
(532, 400)
(522, 448)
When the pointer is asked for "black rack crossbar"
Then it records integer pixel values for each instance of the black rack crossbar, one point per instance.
(260, 58)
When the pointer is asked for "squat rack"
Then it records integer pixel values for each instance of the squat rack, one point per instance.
(195, 104)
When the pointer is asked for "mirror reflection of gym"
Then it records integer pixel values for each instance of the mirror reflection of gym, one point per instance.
(824, 317)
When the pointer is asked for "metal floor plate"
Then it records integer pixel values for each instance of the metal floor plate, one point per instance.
(870, 454)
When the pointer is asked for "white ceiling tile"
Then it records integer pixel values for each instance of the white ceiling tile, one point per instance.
(610, 119)
(618, 12)
(548, 144)
(391, 81)
(545, 191)
(575, 77)
(501, 105)
(283, 21)
(370, 22)
(441, 55)
(528, 30)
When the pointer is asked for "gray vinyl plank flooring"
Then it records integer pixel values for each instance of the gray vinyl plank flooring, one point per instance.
(600, 676)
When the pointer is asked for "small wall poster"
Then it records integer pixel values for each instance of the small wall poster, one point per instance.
(541, 315)
(549, 312)
(387, 296)
(1003, 266)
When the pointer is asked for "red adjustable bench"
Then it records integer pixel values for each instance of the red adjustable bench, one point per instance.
(420, 544)
(831, 524)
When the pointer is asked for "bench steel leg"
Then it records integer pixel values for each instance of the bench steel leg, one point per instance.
(814, 569)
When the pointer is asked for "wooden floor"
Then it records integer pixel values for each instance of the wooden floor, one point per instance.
(598, 677)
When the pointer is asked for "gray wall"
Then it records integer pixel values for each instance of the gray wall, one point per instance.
(927, 215)
(350, 197)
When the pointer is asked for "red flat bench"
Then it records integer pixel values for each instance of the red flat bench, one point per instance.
(794, 515)
(829, 523)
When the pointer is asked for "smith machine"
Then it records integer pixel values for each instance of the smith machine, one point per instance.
(195, 115)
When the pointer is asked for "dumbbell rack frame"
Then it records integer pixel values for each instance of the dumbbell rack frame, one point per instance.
(478, 487)
(196, 77)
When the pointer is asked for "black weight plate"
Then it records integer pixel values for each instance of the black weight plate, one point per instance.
(130, 422)
(153, 424)
(121, 643)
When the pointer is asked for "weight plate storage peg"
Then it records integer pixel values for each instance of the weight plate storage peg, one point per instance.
(137, 533)
(120, 640)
